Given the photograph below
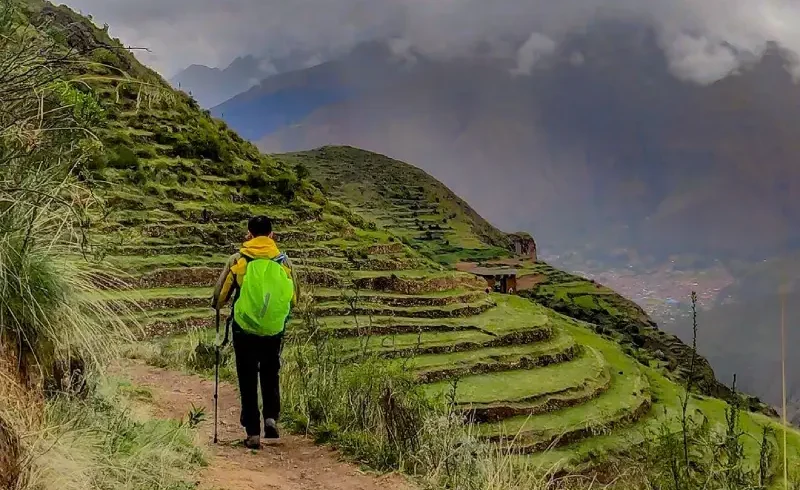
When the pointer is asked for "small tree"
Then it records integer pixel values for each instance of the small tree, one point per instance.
(302, 172)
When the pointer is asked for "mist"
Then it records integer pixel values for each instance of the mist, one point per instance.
(704, 41)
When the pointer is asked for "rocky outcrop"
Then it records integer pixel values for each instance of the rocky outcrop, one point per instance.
(523, 245)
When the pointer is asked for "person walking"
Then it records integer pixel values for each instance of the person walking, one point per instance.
(260, 282)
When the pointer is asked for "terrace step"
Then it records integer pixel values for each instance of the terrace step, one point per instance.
(152, 250)
(403, 283)
(579, 455)
(388, 299)
(433, 368)
(527, 384)
(172, 322)
(368, 264)
(344, 327)
(165, 298)
(625, 401)
(376, 309)
(161, 278)
(144, 264)
(496, 412)
(410, 345)
(225, 233)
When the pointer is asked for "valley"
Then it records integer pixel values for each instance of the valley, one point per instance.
(399, 355)
(662, 291)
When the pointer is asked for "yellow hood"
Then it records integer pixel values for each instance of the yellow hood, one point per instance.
(260, 248)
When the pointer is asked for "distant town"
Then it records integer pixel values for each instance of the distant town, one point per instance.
(664, 293)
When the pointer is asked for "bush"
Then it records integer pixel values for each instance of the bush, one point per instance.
(139, 176)
(147, 152)
(301, 171)
(113, 449)
(287, 186)
(124, 158)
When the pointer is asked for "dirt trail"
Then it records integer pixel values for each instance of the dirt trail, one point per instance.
(292, 463)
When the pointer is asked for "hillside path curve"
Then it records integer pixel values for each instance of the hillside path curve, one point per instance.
(293, 462)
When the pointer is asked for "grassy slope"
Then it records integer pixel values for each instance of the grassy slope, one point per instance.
(399, 197)
(179, 185)
(406, 200)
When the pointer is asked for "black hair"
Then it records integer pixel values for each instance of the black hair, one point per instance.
(259, 226)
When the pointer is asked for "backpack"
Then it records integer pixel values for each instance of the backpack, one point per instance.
(264, 297)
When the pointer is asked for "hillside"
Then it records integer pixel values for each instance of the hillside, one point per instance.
(408, 202)
(753, 350)
(616, 146)
(178, 186)
(213, 86)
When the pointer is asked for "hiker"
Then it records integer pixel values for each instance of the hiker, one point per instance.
(259, 279)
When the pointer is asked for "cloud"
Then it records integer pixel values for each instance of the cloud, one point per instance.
(704, 39)
(701, 60)
(402, 49)
(577, 58)
(535, 48)
(266, 67)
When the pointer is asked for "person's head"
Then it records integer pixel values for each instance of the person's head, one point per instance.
(259, 226)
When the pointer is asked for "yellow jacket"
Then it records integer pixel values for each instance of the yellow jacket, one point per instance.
(258, 248)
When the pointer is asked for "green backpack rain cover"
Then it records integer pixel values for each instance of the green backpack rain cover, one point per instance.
(265, 298)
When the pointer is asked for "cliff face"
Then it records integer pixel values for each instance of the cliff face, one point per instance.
(523, 244)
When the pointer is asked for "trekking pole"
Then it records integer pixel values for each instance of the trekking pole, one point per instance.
(216, 376)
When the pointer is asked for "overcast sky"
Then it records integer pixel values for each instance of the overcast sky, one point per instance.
(700, 37)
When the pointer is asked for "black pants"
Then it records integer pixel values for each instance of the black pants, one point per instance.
(254, 355)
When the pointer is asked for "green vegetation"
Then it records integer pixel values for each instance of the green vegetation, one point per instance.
(406, 201)
(62, 425)
(620, 319)
(390, 352)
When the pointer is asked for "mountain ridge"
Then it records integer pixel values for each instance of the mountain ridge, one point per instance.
(615, 145)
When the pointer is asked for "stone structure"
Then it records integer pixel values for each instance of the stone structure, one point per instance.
(523, 245)
(501, 280)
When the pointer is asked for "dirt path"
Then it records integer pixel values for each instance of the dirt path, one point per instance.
(292, 463)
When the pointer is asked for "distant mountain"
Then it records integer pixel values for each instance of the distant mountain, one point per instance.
(211, 86)
(282, 100)
(600, 148)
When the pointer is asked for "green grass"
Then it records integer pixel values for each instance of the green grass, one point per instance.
(560, 342)
(388, 343)
(160, 293)
(338, 308)
(523, 385)
(511, 314)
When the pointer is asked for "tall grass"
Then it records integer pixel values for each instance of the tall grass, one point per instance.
(61, 426)
(71, 443)
(44, 136)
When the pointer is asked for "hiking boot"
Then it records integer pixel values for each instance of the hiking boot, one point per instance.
(252, 442)
(271, 429)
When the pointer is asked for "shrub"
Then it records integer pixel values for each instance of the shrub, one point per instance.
(146, 152)
(257, 180)
(287, 186)
(124, 158)
(301, 171)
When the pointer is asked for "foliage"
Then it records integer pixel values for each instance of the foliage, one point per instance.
(124, 159)
(97, 444)
(287, 186)
(43, 208)
(301, 171)
(697, 456)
